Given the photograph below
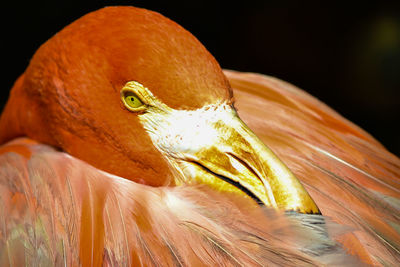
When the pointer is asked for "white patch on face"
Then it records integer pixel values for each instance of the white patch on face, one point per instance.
(180, 133)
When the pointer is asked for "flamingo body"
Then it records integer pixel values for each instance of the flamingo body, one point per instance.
(110, 199)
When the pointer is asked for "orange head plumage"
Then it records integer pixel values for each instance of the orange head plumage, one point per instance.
(70, 97)
(87, 63)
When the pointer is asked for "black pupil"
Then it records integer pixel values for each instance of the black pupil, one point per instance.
(132, 99)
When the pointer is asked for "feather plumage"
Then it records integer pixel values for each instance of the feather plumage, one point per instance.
(351, 176)
(59, 210)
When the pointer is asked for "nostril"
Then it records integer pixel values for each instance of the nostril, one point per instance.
(244, 164)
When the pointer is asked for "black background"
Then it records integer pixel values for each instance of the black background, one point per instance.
(347, 54)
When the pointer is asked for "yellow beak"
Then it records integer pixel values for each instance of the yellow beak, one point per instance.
(214, 146)
(237, 161)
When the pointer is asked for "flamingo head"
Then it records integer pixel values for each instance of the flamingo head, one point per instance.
(134, 94)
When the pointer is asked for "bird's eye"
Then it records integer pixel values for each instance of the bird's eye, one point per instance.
(130, 96)
(131, 101)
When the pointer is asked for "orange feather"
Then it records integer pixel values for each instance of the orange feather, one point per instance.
(65, 211)
(351, 176)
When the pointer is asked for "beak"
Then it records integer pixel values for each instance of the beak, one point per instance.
(213, 146)
(237, 161)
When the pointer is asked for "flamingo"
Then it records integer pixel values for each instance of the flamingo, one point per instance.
(124, 143)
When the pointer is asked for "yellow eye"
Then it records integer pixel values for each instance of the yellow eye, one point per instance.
(133, 101)
(130, 98)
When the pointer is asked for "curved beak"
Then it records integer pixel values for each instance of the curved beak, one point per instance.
(237, 160)
(214, 146)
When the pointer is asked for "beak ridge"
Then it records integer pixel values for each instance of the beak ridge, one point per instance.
(240, 158)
